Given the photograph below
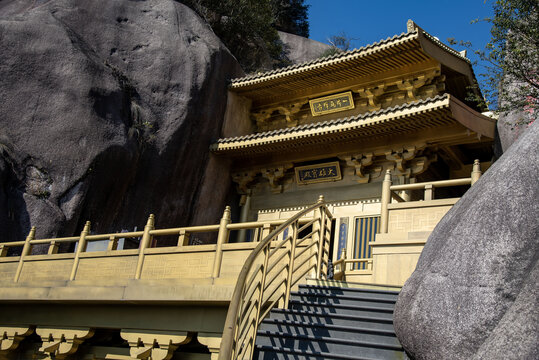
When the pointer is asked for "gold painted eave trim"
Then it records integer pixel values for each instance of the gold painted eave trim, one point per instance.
(428, 43)
(471, 119)
(464, 115)
(362, 52)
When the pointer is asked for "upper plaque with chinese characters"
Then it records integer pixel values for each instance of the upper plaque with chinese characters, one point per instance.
(331, 104)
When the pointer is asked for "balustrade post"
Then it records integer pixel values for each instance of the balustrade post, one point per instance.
(113, 243)
(183, 238)
(244, 215)
(81, 247)
(291, 260)
(221, 239)
(322, 243)
(429, 192)
(53, 248)
(317, 236)
(3, 250)
(260, 302)
(26, 250)
(476, 171)
(343, 257)
(266, 229)
(386, 199)
(144, 243)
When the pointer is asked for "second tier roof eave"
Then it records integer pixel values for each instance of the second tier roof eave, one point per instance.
(480, 124)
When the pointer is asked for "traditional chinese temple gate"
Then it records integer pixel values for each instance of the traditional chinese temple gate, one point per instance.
(335, 126)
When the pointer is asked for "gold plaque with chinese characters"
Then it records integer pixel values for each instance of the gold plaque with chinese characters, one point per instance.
(318, 173)
(331, 104)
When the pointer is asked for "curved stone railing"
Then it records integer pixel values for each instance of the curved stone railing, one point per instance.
(270, 272)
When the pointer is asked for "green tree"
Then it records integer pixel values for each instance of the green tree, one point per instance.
(512, 55)
(291, 16)
(249, 27)
(339, 43)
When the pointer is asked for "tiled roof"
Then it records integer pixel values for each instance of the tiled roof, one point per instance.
(331, 126)
(342, 57)
(322, 62)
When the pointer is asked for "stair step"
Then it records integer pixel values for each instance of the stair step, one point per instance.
(331, 308)
(344, 300)
(364, 293)
(276, 353)
(352, 285)
(367, 346)
(334, 331)
(382, 320)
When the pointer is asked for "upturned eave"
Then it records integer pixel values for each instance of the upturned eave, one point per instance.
(437, 112)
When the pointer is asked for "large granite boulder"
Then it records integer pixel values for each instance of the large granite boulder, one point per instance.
(474, 293)
(108, 108)
(299, 49)
(509, 127)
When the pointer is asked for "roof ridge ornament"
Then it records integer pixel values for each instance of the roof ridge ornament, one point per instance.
(411, 26)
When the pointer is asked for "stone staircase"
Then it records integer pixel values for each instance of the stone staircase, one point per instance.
(329, 321)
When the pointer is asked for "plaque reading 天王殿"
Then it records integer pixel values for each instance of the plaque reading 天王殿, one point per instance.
(318, 173)
(331, 104)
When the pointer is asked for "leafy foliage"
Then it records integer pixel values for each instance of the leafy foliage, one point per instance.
(291, 16)
(249, 27)
(339, 43)
(512, 54)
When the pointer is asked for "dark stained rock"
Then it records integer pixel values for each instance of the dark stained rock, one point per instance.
(474, 293)
(108, 109)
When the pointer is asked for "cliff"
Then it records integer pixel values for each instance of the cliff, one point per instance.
(108, 109)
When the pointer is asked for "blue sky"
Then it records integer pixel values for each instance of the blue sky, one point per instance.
(372, 20)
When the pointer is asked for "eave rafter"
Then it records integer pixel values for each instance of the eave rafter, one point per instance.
(438, 112)
(399, 52)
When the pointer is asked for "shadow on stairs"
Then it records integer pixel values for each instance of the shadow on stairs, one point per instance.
(331, 321)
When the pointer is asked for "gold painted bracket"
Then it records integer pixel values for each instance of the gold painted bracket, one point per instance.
(60, 343)
(372, 94)
(212, 341)
(274, 175)
(401, 156)
(360, 162)
(10, 338)
(289, 111)
(154, 345)
(407, 163)
(243, 180)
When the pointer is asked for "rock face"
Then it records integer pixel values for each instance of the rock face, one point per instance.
(299, 49)
(474, 294)
(510, 127)
(108, 109)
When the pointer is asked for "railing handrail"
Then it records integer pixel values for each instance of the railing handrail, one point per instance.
(227, 340)
(440, 183)
(154, 232)
(388, 190)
